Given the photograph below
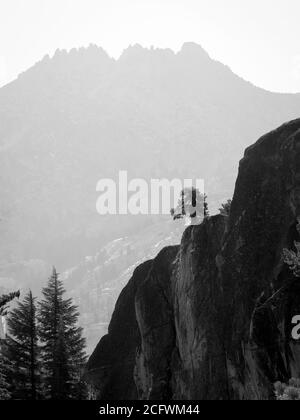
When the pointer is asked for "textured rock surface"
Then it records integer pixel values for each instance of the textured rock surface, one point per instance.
(155, 316)
(110, 368)
(211, 319)
(262, 222)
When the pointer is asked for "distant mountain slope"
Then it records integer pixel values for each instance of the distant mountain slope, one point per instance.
(80, 116)
(96, 282)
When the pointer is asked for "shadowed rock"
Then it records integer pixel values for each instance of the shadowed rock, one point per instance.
(110, 368)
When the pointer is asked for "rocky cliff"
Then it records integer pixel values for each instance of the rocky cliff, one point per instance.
(211, 319)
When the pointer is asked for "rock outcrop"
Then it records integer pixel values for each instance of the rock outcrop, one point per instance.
(110, 368)
(211, 319)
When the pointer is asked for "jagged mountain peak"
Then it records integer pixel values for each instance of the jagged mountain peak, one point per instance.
(192, 48)
(138, 52)
(87, 58)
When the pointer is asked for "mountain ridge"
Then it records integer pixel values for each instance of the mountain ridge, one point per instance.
(137, 51)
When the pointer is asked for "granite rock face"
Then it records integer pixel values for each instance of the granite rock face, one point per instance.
(110, 368)
(211, 319)
(262, 222)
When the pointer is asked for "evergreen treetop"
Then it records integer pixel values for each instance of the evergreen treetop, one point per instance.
(22, 349)
(63, 347)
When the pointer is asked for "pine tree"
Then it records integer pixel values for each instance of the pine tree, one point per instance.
(4, 362)
(22, 349)
(5, 299)
(190, 205)
(4, 382)
(63, 348)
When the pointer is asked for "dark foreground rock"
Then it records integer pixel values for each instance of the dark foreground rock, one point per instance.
(211, 319)
(110, 368)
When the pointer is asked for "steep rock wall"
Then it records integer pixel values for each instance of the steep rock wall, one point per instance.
(110, 367)
(211, 319)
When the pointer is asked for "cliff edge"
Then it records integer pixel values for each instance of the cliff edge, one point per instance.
(212, 318)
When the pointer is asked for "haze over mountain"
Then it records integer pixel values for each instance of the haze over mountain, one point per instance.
(81, 116)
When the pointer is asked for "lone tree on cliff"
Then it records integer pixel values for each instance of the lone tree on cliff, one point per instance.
(192, 205)
(22, 349)
(63, 347)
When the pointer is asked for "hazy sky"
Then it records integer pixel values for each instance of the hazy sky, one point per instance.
(258, 39)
